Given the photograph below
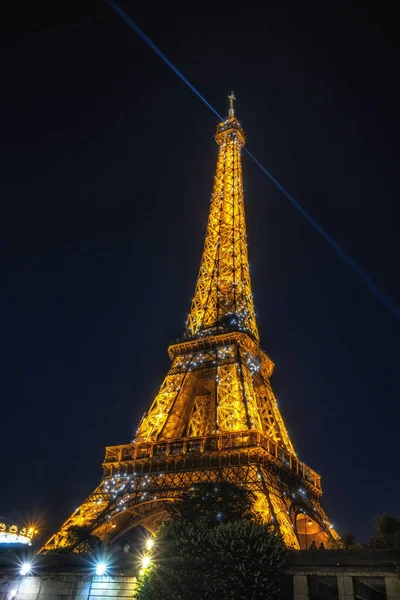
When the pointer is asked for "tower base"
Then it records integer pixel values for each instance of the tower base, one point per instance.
(140, 479)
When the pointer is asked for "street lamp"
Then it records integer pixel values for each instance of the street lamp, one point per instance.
(25, 569)
(101, 568)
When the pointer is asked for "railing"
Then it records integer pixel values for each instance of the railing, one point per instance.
(208, 444)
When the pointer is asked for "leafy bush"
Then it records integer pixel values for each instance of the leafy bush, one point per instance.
(239, 559)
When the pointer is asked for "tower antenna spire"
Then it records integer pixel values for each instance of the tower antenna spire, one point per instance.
(231, 98)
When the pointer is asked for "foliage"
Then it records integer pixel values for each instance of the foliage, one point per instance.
(80, 539)
(212, 504)
(386, 534)
(348, 540)
(345, 542)
(333, 544)
(59, 550)
(397, 565)
(238, 559)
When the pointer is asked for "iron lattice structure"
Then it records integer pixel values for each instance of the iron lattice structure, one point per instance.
(215, 416)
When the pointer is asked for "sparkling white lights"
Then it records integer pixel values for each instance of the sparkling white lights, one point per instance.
(101, 568)
(26, 568)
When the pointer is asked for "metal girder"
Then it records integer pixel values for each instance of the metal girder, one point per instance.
(223, 290)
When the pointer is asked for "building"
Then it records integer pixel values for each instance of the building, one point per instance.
(215, 416)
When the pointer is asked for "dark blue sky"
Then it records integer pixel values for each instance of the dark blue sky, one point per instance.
(108, 162)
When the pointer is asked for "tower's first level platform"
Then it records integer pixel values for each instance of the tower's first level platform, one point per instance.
(141, 479)
(209, 451)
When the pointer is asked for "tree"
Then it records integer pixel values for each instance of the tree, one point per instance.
(239, 559)
(214, 547)
(212, 504)
(81, 539)
(348, 540)
(386, 534)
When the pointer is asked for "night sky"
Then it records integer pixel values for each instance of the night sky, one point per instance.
(107, 168)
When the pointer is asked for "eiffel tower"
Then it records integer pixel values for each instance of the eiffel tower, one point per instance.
(215, 416)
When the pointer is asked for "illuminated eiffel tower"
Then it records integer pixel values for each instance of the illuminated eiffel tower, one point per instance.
(215, 416)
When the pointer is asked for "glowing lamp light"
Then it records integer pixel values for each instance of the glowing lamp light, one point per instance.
(101, 568)
(149, 543)
(25, 569)
(145, 562)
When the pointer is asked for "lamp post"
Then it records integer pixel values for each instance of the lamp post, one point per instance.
(305, 529)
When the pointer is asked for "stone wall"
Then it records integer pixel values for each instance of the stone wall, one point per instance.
(345, 575)
(67, 586)
(311, 575)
